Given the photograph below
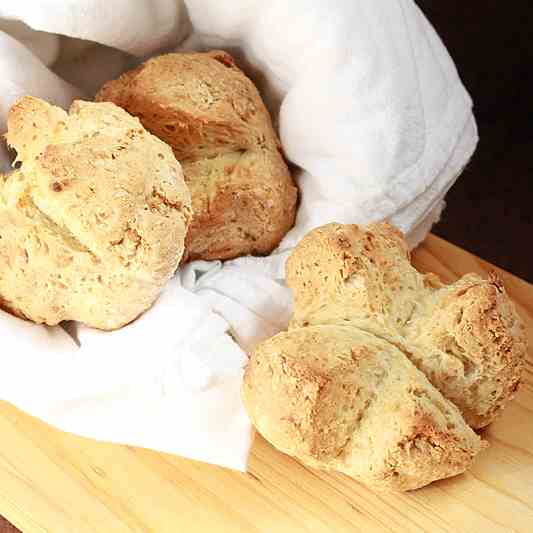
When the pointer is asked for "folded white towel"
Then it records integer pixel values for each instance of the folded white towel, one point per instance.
(369, 106)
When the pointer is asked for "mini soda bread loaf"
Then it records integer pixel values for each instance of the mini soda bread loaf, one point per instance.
(383, 370)
(93, 222)
(211, 114)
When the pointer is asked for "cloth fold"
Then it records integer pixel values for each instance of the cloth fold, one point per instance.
(373, 116)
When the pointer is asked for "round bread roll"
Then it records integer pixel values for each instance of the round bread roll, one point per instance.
(383, 370)
(93, 222)
(211, 114)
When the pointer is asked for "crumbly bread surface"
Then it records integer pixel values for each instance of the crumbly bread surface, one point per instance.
(340, 398)
(93, 222)
(212, 116)
(466, 337)
(383, 370)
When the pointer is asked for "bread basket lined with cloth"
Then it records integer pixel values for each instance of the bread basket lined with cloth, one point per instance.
(374, 120)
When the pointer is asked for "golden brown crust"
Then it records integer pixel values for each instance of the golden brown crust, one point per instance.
(339, 398)
(93, 223)
(466, 337)
(383, 369)
(469, 339)
(212, 115)
(339, 272)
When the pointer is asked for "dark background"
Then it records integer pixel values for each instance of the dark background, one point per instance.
(490, 209)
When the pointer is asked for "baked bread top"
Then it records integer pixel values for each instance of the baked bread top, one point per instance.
(383, 370)
(466, 337)
(92, 223)
(212, 116)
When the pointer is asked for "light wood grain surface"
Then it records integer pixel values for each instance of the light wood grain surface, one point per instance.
(55, 482)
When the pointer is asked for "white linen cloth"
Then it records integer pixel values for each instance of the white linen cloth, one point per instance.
(370, 109)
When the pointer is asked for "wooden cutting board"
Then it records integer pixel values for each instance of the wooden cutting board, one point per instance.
(58, 483)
